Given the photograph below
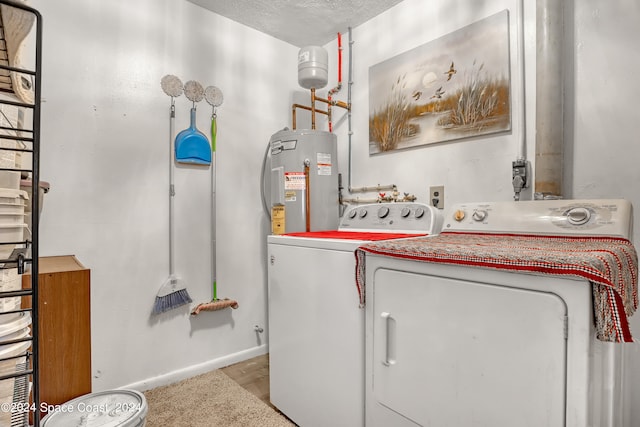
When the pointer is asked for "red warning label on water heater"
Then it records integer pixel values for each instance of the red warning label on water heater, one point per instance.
(294, 181)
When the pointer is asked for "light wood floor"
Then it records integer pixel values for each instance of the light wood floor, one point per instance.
(253, 376)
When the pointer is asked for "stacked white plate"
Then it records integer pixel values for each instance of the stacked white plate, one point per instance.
(14, 329)
(12, 224)
(10, 280)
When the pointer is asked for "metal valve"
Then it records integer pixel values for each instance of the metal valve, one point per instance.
(519, 177)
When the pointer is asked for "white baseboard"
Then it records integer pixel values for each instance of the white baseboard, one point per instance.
(191, 371)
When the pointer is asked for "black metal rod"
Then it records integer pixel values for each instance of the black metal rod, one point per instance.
(18, 70)
(20, 150)
(22, 242)
(15, 138)
(16, 374)
(14, 170)
(17, 340)
(15, 129)
(35, 188)
(35, 236)
(12, 294)
(20, 104)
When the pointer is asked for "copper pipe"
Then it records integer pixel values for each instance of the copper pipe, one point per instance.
(330, 123)
(340, 104)
(307, 196)
(293, 116)
(304, 107)
(313, 108)
(330, 102)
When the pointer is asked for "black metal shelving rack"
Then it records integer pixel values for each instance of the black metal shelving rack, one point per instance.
(25, 255)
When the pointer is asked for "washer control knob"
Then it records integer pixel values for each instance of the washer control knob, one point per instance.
(459, 215)
(578, 216)
(363, 213)
(419, 213)
(405, 212)
(353, 213)
(383, 212)
(479, 215)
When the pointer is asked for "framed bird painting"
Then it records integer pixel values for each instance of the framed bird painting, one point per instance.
(454, 87)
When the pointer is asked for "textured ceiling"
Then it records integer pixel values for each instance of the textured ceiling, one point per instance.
(300, 23)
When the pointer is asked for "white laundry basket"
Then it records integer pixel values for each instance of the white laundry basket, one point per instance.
(13, 196)
(25, 185)
(110, 408)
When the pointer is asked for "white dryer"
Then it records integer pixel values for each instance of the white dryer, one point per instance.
(491, 323)
(316, 324)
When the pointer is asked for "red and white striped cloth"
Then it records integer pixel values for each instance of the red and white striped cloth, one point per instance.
(609, 264)
(353, 235)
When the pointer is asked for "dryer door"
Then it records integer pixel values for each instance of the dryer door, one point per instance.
(449, 352)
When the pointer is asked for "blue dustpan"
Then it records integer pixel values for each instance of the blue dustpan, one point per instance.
(192, 146)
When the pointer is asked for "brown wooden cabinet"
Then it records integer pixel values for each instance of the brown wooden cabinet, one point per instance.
(64, 321)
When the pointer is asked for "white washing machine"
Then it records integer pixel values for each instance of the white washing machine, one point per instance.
(492, 323)
(316, 324)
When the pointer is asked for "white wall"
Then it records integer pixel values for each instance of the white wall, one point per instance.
(472, 169)
(105, 150)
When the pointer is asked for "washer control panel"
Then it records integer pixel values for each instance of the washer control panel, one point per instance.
(400, 217)
(599, 217)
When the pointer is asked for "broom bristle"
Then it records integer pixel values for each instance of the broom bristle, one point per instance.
(171, 301)
(215, 305)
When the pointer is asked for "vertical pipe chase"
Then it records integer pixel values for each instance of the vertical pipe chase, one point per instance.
(549, 97)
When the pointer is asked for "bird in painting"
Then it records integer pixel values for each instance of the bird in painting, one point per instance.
(416, 95)
(451, 71)
(438, 93)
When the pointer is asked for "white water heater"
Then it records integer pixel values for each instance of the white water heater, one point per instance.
(304, 181)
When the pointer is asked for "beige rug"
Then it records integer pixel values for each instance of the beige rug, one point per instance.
(208, 400)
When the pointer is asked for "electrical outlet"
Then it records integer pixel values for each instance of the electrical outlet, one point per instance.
(436, 196)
